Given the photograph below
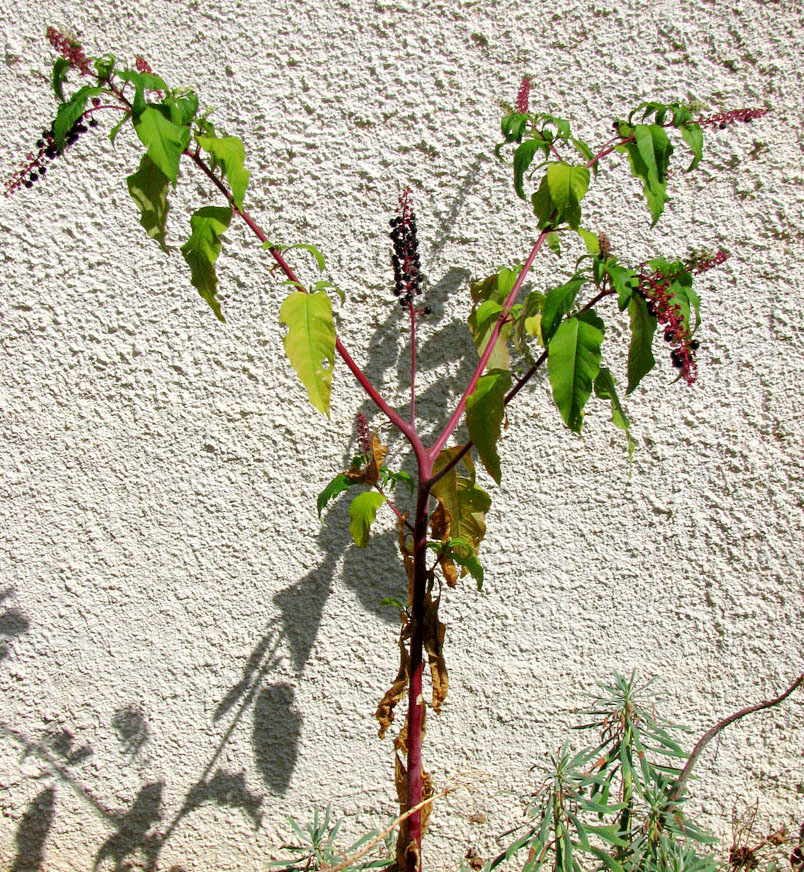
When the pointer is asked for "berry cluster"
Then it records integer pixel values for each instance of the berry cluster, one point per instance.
(363, 434)
(70, 49)
(405, 259)
(655, 289)
(723, 119)
(522, 96)
(34, 167)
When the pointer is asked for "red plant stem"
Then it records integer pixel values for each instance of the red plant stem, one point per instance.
(415, 697)
(441, 441)
(412, 364)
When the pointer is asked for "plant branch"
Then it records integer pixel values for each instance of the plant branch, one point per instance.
(441, 441)
(707, 737)
(404, 427)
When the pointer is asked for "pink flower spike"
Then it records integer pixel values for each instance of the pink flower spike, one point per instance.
(522, 96)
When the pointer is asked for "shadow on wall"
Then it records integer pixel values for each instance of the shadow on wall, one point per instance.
(140, 832)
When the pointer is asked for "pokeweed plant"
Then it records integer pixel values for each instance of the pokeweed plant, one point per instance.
(515, 333)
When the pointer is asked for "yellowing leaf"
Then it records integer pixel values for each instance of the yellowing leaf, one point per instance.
(362, 513)
(466, 502)
(310, 343)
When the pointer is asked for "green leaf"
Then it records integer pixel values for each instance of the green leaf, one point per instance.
(68, 113)
(142, 82)
(466, 502)
(393, 478)
(559, 301)
(228, 151)
(482, 322)
(553, 243)
(648, 155)
(543, 207)
(523, 157)
(336, 487)
(605, 390)
(484, 413)
(585, 152)
(693, 136)
(567, 185)
(624, 281)
(202, 249)
(60, 69)
(590, 240)
(640, 351)
(148, 188)
(319, 258)
(183, 107)
(164, 140)
(462, 553)
(310, 343)
(116, 129)
(104, 66)
(573, 364)
(362, 513)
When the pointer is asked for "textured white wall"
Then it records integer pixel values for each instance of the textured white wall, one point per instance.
(170, 601)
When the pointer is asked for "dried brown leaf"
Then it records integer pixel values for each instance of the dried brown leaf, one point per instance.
(433, 638)
(396, 692)
(440, 529)
(371, 474)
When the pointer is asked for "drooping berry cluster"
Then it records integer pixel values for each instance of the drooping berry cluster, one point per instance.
(405, 259)
(70, 49)
(363, 434)
(723, 119)
(35, 165)
(522, 96)
(655, 289)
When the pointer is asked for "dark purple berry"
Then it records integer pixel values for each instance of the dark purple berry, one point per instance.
(93, 122)
(428, 310)
(695, 345)
(28, 183)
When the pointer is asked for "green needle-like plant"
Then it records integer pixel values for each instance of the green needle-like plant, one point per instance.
(515, 332)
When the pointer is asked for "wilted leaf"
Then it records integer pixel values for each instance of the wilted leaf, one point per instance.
(407, 554)
(228, 151)
(440, 522)
(202, 249)
(396, 692)
(466, 502)
(433, 638)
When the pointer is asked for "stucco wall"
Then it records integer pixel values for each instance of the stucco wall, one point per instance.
(172, 610)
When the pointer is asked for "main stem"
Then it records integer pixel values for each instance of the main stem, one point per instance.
(412, 833)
